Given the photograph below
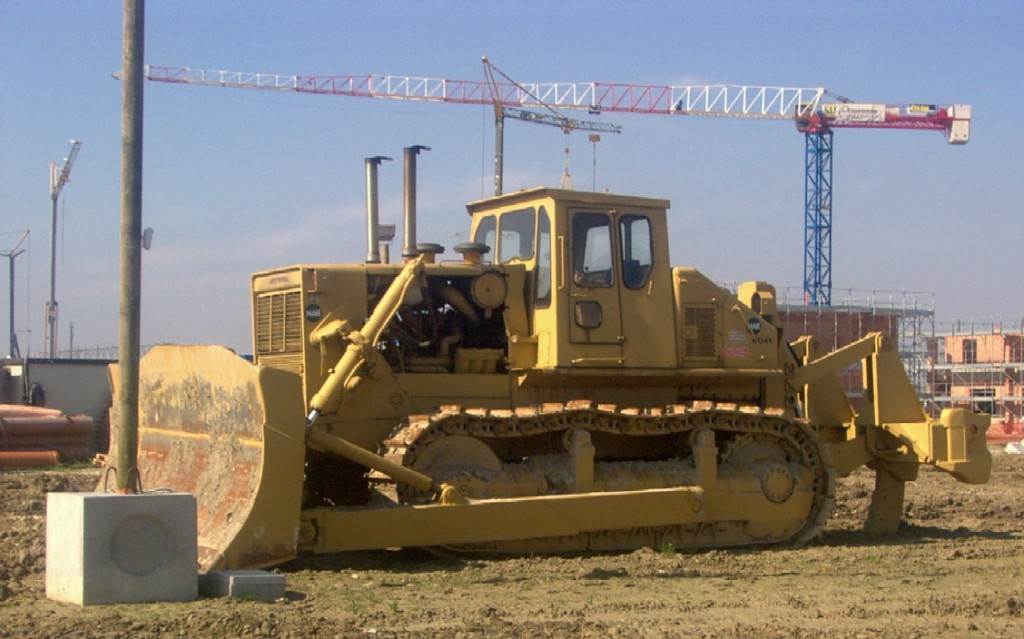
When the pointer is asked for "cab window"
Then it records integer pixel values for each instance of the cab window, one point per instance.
(636, 258)
(542, 288)
(592, 250)
(516, 230)
(486, 233)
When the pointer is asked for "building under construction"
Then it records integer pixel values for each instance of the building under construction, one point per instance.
(979, 366)
(973, 365)
(909, 318)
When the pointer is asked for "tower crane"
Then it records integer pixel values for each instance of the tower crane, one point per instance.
(817, 125)
(59, 176)
(551, 118)
(815, 111)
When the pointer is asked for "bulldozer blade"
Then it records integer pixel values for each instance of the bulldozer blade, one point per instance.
(232, 434)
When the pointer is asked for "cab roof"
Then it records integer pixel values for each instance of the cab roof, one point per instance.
(585, 198)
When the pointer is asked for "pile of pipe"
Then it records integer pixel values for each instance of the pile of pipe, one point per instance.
(31, 436)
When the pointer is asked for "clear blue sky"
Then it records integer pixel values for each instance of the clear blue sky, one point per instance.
(236, 181)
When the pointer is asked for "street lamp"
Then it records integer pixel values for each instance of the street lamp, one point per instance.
(10, 255)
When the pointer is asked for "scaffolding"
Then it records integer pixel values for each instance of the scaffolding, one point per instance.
(907, 317)
(979, 365)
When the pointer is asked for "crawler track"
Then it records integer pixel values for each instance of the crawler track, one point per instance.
(639, 448)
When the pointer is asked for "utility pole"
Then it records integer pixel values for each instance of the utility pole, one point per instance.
(126, 457)
(59, 176)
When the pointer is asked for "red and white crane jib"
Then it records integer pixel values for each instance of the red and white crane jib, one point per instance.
(726, 100)
(364, 85)
(718, 100)
(804, 105)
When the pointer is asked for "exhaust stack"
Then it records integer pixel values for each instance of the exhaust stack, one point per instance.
(409, 250)
(373, 210)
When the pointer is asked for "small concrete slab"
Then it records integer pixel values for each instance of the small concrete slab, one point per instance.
(259, 585)
(103, 548)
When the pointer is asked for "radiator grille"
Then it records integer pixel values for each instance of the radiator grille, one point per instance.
(279, 323)
(291, 362)
(700, 332)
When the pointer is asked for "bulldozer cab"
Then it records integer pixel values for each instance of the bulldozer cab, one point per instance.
(599, 292)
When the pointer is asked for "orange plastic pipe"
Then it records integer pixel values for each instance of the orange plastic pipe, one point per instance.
(28, 458)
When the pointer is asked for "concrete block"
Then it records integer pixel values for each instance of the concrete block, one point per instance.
(242, 584)
(103, 548)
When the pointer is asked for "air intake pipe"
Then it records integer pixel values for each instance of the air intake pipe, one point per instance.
(373, 210)
(409, 250)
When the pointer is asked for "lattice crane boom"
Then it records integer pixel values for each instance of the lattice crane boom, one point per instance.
(725, 100)
(565, 123)
(59, 175)
(715, 100)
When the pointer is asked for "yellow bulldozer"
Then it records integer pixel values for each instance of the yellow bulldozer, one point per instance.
(559, 387)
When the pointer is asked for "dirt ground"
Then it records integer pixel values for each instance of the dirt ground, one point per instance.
(956, 569)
